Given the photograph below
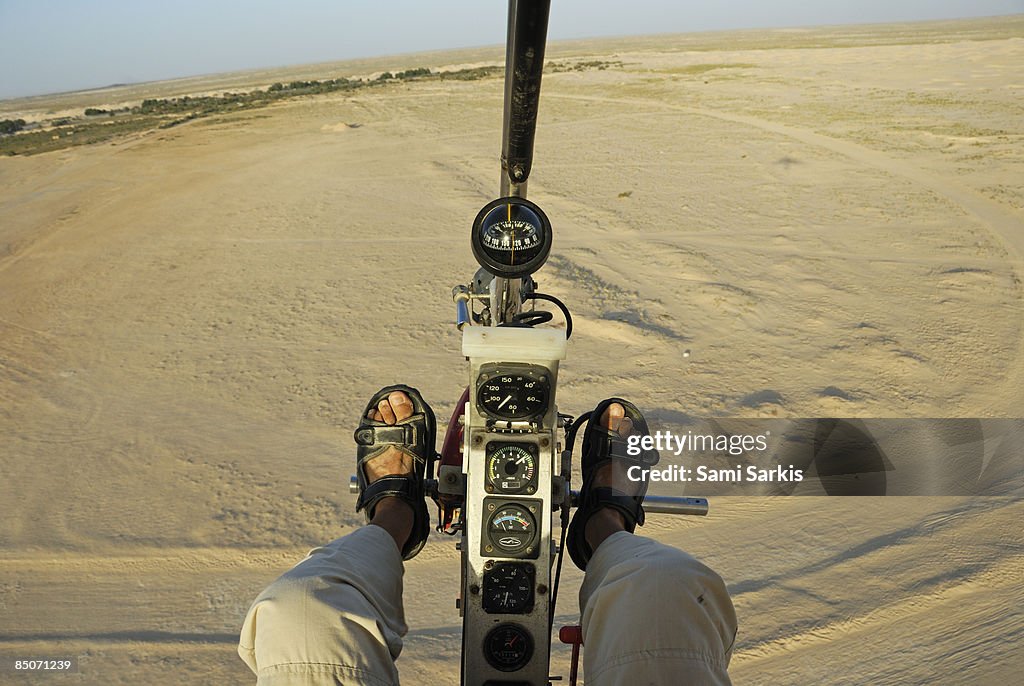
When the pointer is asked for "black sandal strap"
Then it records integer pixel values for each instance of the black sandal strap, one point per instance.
(399, 435)
(414, 436)
(397, 485)
(629, 506)
(601, 446)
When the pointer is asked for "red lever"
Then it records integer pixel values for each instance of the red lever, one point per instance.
(572, 635)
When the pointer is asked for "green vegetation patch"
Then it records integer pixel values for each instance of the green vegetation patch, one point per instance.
(60, 137)
(582, 65)
(96, 125)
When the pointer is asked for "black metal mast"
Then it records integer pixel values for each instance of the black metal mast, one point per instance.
(524, 64)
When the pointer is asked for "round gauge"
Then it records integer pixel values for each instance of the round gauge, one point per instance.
(512, 395)
(511, 468)
(508, 588)
(508, 647)
(512, 529)
(511, 237)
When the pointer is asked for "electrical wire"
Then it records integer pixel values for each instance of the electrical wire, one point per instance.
(561, 306)
(570, 442)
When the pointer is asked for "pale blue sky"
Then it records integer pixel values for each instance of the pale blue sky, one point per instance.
(58, 45)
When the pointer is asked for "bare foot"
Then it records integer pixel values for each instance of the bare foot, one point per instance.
(394, 515)
(607, 521)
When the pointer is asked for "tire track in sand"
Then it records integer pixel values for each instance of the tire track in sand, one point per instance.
(1005, 224)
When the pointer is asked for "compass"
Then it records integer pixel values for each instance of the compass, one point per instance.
(511, 237)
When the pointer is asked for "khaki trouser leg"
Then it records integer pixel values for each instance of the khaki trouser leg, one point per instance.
(653, 615)
(335, 618)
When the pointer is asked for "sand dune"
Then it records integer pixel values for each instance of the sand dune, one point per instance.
(813, 223)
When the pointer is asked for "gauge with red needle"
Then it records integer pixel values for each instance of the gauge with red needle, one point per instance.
(508, 647)
(512, 530)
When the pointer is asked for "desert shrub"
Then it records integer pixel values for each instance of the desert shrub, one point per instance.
(11, 125)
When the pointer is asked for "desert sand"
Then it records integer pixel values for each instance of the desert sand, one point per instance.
(191, 320)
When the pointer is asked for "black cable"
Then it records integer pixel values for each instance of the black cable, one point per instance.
(558, 566)
(535, 317)
(559, 304)
(531, 319)
(570, 441)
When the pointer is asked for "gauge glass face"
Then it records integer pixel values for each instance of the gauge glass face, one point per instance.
(514, 396)
(512, 529)
(511, 468)
(508, 647)
(512, 234)
(511, 237)
(508, 588)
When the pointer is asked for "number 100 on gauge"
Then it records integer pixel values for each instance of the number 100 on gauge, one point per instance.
(513, 392)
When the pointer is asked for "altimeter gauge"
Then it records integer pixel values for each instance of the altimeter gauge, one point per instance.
(508, 588)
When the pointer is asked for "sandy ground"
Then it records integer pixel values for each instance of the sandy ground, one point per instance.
(190, 321)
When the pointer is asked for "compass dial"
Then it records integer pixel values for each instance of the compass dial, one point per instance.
(511, 237)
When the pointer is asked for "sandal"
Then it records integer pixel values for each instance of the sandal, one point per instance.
(601, 446)
(413, 436)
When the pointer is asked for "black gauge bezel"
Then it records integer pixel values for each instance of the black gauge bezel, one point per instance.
(528, 485)
(529, 549)
(523, 657)
(489, 372)
(495, 582)
(497, 268)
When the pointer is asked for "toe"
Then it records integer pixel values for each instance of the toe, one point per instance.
(612, 417)
(401, 404)
(387, 415)
(625, 427)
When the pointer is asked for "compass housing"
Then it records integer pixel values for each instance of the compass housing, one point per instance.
(511, 237)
